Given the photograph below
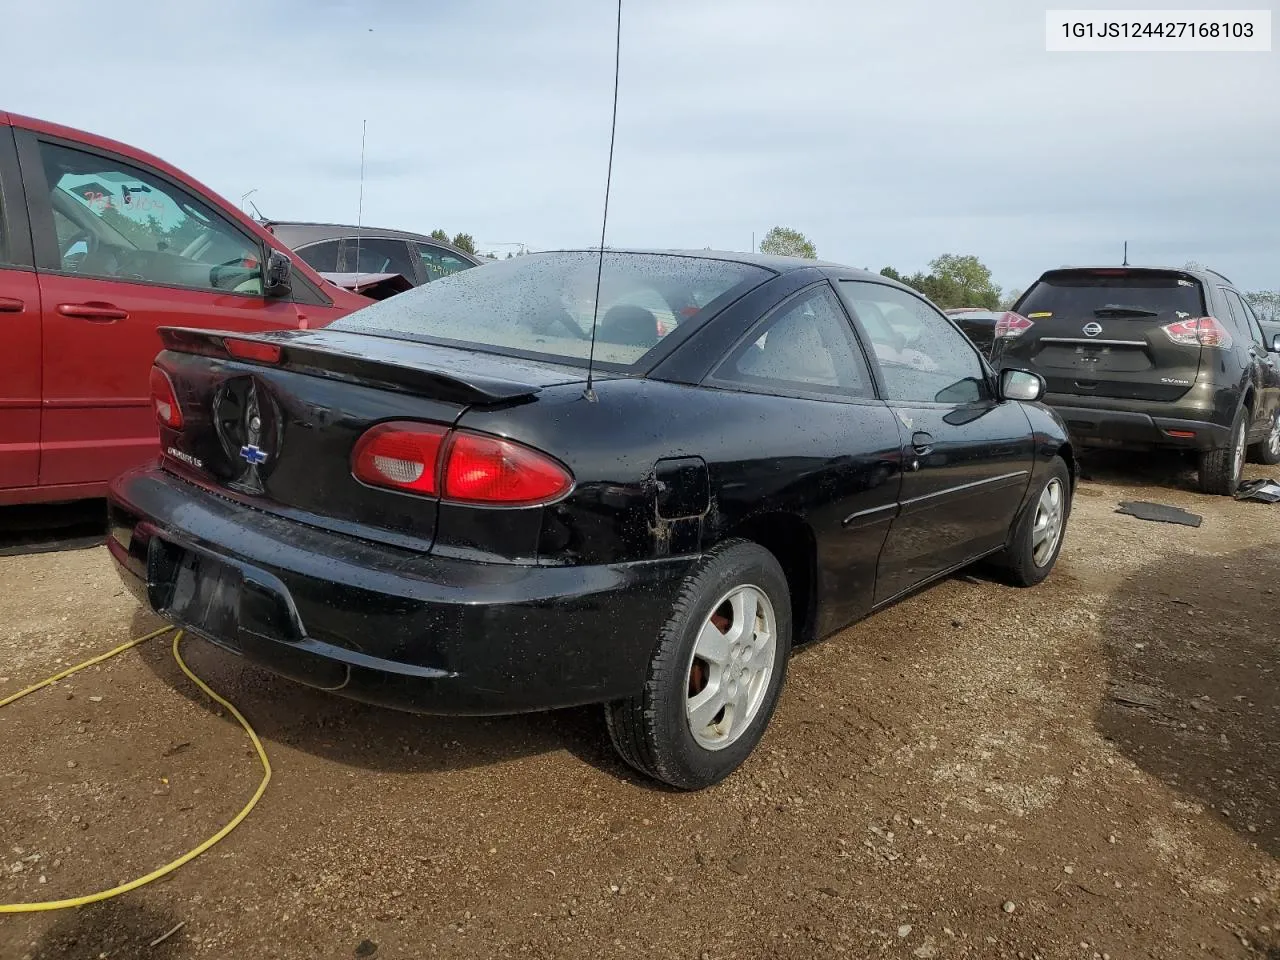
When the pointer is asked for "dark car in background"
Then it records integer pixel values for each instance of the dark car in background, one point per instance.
(1145, 357)
(439, 505)
(341, 252)
(978, 324)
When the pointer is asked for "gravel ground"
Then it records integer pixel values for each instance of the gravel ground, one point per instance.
(1085, 769)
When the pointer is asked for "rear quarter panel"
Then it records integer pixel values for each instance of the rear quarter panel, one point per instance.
(759, 456)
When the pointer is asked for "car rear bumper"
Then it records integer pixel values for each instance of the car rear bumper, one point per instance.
(381, 624)
(1140, 425)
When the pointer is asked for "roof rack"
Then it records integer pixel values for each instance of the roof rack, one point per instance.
(1217, 274)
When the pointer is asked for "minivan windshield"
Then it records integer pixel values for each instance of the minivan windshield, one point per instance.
(542, 304)
(1116, 294)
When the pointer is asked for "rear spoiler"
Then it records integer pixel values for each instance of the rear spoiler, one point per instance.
(454, 384)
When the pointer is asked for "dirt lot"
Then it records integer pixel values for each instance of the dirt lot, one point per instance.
(1099, 752)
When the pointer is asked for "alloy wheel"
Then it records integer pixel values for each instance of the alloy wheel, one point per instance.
(731, 667)
(1046, 530)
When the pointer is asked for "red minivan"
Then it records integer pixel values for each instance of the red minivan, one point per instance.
(100, 244)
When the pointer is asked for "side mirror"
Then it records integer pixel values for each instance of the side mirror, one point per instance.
(1275, 343)
(275, 279)
(1021, 385)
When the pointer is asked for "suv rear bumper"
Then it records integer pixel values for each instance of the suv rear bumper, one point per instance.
(1136, 427)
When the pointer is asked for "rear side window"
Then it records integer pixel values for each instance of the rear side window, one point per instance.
(378, 255)
(1245, 321)
(1096, 295)
(806, 347)
(542, 304)
(438, 262)
(322, 256)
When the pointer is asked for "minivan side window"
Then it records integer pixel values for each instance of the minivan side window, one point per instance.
(322, 256)
(438, 262)
(922, 357)
(378, 255)
(114, 221)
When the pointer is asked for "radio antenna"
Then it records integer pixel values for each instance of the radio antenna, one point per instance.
(364, 126)
(1126, 254)
(590, 393)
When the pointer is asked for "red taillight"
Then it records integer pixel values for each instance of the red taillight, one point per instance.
(1199, 332)
(474, 468)
(164, 400)
(252, 350)
(1012, 325)
(483, 469)
(400, 455)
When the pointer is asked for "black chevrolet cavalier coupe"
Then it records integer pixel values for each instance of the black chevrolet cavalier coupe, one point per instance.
(436, 504)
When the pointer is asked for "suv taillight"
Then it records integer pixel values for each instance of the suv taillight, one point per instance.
(1200, 331)
(462, 467)
(164, 400)
(1012, 325)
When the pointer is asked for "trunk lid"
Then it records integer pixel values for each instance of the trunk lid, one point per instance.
(1100, 332)
(278, 436)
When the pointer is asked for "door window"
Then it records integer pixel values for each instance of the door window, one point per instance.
(806, 347)
(322, 256)
(1245, 320)
(922, 356)
(117, 222)
(438, 262)
(378, 255)
(4, 236)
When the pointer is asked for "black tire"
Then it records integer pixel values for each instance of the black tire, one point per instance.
(1220, 469)
(1018, 560)
(1267, 450)
(651, 731)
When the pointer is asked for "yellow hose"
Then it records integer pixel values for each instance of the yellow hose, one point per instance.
(191, 854)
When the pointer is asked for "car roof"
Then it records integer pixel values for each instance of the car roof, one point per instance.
(306, 232)
(1200, 273)
(767, 261)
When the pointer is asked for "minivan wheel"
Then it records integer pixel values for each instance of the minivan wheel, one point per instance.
(715, 674)
(1267, 450)
(1037, 538)
(1220, 470)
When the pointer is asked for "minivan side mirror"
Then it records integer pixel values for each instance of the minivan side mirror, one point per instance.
(1275, 343)
(275, 281)
(1021, 385)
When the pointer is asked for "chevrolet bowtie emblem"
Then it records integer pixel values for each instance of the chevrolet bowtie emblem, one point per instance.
(253, 454)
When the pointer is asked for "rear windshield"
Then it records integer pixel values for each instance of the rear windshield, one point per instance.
(542, 304)
(1085, 295)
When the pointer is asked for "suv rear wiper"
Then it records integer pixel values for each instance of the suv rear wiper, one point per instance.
(1118, 310)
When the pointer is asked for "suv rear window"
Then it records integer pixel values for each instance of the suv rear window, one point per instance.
(542, 304)
(1086, 294)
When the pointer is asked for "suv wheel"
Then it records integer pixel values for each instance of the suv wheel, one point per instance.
(715, 675)
(1268, 450)
(1220, 469)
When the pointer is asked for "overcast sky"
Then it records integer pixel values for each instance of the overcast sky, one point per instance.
(888, 136)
